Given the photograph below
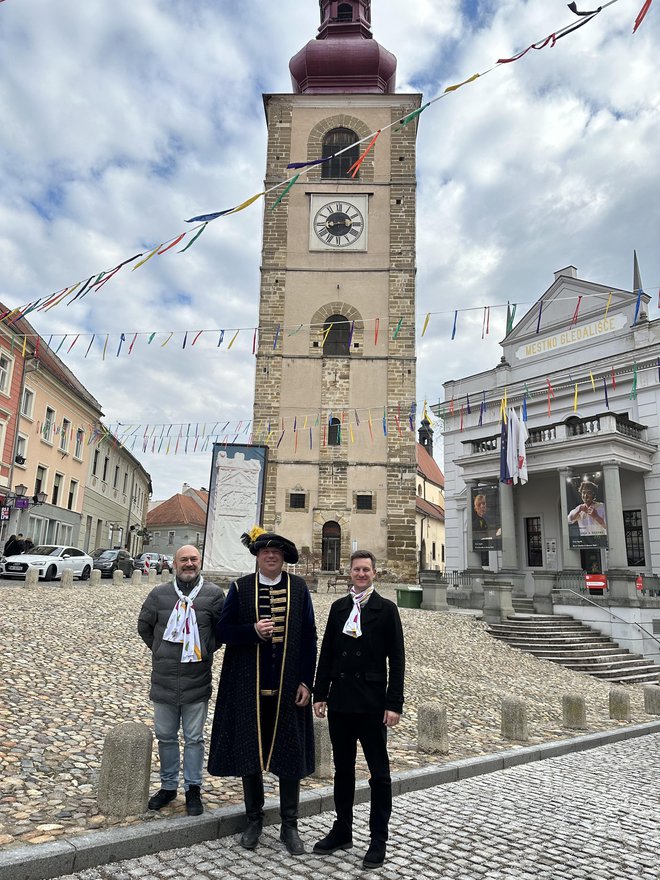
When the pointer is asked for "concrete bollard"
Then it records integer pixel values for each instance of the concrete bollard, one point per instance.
(652, 699)
(95, 578)
(67, 578)
(117, 578)
(165, 576)
(574, 711)
(31, 576)
(151, 577)
(514, 719)
(323, 750)
(432, 733)
(136, 580)
(125, 770)
(619, 704)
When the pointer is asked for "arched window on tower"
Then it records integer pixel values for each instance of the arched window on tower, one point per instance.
(337, 336)
(345, 12)
(334, 432)
(330, 546)
(336, 140)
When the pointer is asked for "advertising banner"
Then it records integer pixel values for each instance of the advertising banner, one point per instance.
(486, 520)
(235, 504)
(587, 519)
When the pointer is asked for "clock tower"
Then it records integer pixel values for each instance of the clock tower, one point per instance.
(335, 370)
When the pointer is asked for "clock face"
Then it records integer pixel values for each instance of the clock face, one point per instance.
(338, 224)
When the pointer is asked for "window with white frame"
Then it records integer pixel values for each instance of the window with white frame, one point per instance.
(21, 450)
(80, 439)
(6, 365)
(40, 480)
(27, 403)
(37, 528)
(156, 537)
(65, 430)
(115, 481)
(125, 481)
(170, 537)
(58, 482)
(48, 425)
(73, 491)
(64, 533)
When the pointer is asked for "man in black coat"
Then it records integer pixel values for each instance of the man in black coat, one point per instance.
(359, 680)
(177, 623)
(263, 715)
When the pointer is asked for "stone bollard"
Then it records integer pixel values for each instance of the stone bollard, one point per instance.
(67, 578)
(165, 576)
(95, 577)
(31, 576)
(151, 577)
(574, 711)
(652, 699)
(434, 585)
(432, 733)
(136, 580)
(125, 770)
(619, 704)
(323, 750)
(117, 578)
(514, 719)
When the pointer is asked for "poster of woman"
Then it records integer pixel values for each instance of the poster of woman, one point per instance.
(587, 519)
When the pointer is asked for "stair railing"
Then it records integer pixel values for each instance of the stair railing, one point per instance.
(611, 613)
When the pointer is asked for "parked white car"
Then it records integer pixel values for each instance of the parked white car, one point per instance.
(50, 560)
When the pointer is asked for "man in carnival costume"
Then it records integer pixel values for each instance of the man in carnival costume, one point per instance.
(359, 681)
(177, 623)
(263, 717)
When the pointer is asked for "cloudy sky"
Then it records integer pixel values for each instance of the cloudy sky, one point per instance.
(120, 120)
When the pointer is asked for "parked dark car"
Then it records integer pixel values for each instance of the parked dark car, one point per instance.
(155, 561)
(110, 561)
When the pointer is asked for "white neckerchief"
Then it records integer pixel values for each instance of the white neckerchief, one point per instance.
(182, 625)
(269, 582)
(353, 625)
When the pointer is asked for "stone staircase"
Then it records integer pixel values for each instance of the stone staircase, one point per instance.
(576, 646)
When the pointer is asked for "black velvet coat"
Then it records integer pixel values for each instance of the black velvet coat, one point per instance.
(364, 674)
(235, 748)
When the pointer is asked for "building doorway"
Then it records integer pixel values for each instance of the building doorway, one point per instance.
(331, 546)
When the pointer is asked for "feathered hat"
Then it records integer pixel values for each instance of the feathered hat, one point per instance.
(258, 539)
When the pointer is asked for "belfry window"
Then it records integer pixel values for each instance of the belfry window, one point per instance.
(337, 335)
(336, 140)
(334, 433)
(345, 12)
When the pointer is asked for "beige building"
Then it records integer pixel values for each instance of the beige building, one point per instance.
(52, 452)
(429, 504)
(114, 512)
(338, 279)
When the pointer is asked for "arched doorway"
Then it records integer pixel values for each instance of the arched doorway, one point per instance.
(331, 546)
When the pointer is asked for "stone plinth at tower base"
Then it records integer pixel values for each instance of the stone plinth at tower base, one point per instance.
(622, 587)
(125, 770)
(498, 604)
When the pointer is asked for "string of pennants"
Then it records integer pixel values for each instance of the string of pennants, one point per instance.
(459, 408)
(216, 337)
(97, 280)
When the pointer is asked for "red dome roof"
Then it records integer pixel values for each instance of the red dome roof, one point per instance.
(343, 65)
(344, 57)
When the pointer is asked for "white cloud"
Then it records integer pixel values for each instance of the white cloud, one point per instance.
(121, 120)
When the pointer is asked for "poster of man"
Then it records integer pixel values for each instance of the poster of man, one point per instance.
(486, 521)
(586, 518)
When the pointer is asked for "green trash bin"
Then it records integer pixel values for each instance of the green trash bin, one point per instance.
(409, 597)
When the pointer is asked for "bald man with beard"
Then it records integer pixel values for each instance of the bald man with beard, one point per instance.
(177, 624)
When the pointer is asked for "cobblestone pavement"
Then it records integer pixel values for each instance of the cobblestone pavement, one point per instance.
(586, 816)
(74, 667)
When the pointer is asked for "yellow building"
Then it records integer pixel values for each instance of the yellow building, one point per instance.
(429, 504)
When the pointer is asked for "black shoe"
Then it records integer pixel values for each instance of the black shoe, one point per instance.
(332, 842)
(291, 840)
(194, 805)
(250, 837)
(375, 854)
(162, 797)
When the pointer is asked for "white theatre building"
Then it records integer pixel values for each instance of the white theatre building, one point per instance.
(585, 358)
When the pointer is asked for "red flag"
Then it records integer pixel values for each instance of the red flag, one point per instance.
(642, 14)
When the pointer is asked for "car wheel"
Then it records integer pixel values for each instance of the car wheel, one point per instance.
(85, 573)
(51, 573)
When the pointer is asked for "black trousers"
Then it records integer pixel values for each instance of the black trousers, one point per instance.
(346, 730)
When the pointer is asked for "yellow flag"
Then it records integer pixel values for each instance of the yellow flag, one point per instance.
(465, 82)
(246, 204)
